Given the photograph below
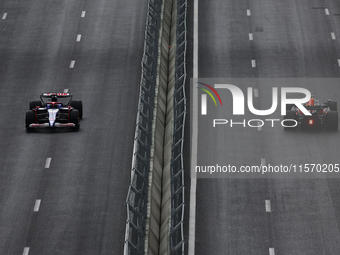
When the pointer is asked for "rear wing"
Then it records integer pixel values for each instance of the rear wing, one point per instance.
(58, 95)
(315, 107)
(47, 95)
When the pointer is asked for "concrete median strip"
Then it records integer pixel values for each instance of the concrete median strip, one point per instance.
(157, 236)
(159, 210)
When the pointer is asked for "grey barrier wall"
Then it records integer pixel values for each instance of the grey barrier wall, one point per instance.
(179, 114)
(155, 202)
(172, 210)
(137, 198)
(166, 181)
(156, 194)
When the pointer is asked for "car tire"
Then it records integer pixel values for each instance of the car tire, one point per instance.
(74, 118)
(34, 104)
(290, 124)
(289, 107)
(30, 119)
(77, 104)
(332, 121)
(333, 105)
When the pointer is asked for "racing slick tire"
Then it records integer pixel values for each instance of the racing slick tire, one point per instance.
(332, 121)
(34, 104)
(333, 105)
(77, 104)
(30, 119)
(289, 107)
(290, 124)
(74, 118)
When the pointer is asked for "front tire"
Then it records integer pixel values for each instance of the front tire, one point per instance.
(289, 107)
(30, 119)
(78, 105)
(74, 118)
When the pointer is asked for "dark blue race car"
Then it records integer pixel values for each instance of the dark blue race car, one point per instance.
(54, 110)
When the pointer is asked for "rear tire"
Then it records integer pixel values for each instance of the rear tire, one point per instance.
(30, 119)
(332, 121)
(74, 118)
(333, 105)
(290, 124)
(77, 104)
(34, 104)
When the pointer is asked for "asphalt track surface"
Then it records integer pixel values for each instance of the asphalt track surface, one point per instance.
(72, 203)
(290, 39)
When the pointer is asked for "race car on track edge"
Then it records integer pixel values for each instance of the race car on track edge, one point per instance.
(323, 116)
(54, 110)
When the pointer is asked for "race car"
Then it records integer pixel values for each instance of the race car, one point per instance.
(54, 110)
(323, 116)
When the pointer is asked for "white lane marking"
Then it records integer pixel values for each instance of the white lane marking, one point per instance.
(263, 161)
(48, 162)
(327, 11)
(73, 62)
(83, 13)
(78, 38)
(268, 206)
(271, 251)
(204, 104)
(256, 92)
(248, 12)
(37, 205)
(251, 37)
(26, 251)
(4, 16)
(253, 63)
(65, 90)
(333, 36)
(194, 137)
(338, 62)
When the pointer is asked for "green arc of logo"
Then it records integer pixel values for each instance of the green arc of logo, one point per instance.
(208, 94)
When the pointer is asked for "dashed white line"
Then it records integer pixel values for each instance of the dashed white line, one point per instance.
(73, 62)
(83, 13)
(271, 251)
(253, 63)
(338, 62)
(268, 206)
(327, 11)
(248, 12)
(78, 38)
(333, 36)
(65, 90)
(48, 162)
(251, 37)
(4, 16)
(37, 205)
(263, 161)
(26, 251)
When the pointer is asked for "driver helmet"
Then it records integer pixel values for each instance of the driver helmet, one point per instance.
(311, 101)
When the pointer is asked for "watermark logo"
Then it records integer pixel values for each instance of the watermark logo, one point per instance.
(204, 97)
(238, 99)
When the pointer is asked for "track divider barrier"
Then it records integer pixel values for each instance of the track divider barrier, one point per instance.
(155, 201)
